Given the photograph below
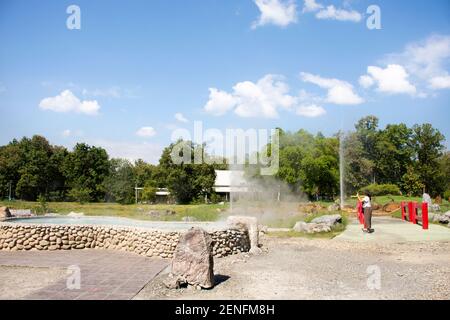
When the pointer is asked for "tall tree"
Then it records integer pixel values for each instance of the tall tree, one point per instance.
(367, 133)
(186, 180)
(394, 153)
(86, 168)
(120, 182)
(427, 143)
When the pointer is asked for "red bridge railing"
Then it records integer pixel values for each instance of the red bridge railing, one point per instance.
(414, 215)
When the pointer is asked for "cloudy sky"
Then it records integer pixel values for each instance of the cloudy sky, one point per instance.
(138, 70)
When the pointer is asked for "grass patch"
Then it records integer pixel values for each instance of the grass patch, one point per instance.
(295, 234)
(202, 212)
(336, 230)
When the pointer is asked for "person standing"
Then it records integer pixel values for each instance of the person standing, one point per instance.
(367, 208)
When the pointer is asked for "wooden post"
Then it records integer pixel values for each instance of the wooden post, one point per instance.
(425, 215)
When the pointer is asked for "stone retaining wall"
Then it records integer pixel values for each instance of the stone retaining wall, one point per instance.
(150, 243)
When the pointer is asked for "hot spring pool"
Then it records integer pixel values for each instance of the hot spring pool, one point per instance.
(120, 222)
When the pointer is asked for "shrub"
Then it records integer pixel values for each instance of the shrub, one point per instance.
(42, 208)
(447, 195)
(82, 195)
(380, 189)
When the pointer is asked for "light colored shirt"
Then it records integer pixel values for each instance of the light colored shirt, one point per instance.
(366, 202)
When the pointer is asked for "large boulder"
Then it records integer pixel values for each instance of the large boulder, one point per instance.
(329, 220)
(426, 198)
(193, 261)
(442, 218)
(302, 226)
(5, 213)
(251, 225)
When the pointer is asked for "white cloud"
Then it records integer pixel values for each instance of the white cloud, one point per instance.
(249, 99)
(219, 102)
(442, 82)
(179, 116)
(366, 81)
(310, 111)
(277, 12)
(146, 132)
(339, 92)
(425, 60)
(263, 98)
(393, 79)
(330, 12)
(66, 101)
(311, 6)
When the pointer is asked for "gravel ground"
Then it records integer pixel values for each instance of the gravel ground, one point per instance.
(298, 268)
(19, 282)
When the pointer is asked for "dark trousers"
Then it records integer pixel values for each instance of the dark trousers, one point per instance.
(368, 218)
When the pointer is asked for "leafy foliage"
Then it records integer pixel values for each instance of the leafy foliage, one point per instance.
(381, 189)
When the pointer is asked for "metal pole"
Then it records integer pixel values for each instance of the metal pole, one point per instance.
(10, 182)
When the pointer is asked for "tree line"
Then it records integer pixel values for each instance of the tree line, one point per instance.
(32, 169)
(397, 158)
(393, 159)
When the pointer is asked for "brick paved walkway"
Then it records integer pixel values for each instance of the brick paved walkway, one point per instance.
(105, 274)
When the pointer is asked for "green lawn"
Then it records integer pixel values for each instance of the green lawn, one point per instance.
(202, 212)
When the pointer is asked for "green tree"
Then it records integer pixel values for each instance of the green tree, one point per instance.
(120, 182)
(11, 160)
(86, 168)
(427, 143)
(185, 180)
(358, 169)
(82, 195)
(394, 153)
(411, 182)
(367, 133)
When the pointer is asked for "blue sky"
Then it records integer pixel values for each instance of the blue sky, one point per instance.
(121, 79)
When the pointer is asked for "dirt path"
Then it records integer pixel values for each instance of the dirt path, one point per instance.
(18, 282)
(297, 268)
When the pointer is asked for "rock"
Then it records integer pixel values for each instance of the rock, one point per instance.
(302, 226)
(435, 207)
(442, 218)
(43, 243)
(193, 261)
(426, 198)
(330, 220)
(251, 225)
(5, 213)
